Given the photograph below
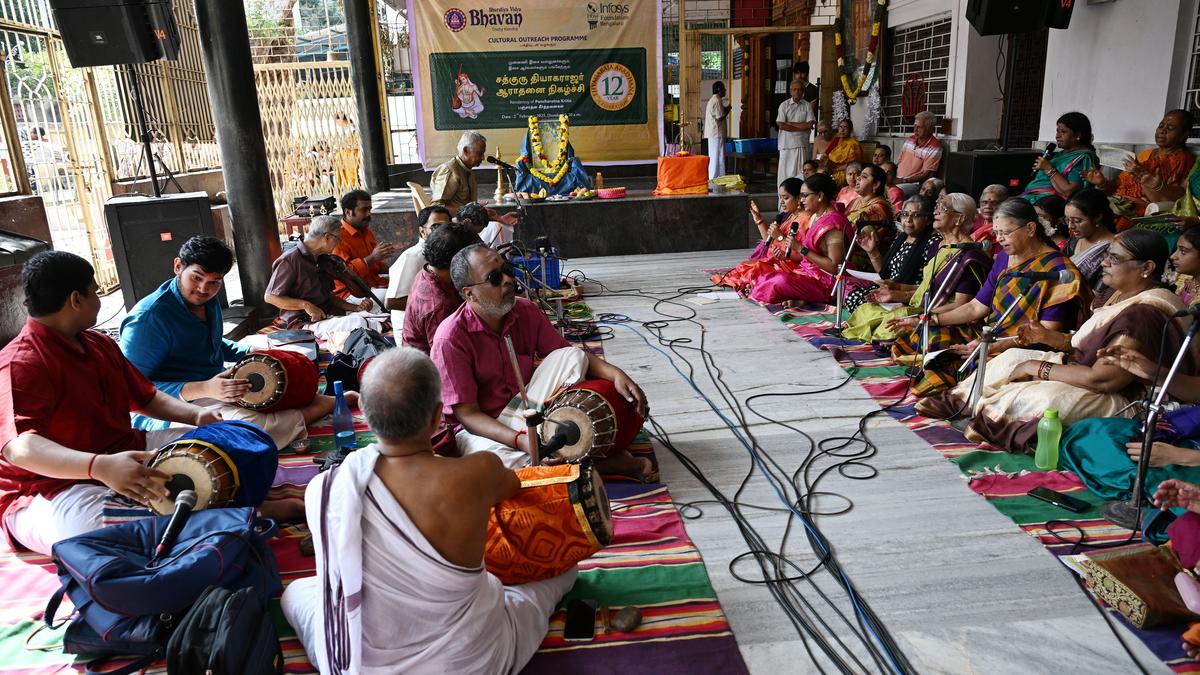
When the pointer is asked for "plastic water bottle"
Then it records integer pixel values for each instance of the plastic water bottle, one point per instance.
(343, 422)
(1049, 432)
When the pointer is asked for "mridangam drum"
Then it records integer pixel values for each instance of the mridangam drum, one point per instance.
(226, 463)
(560, 516)
(606, 421)
(279, 380)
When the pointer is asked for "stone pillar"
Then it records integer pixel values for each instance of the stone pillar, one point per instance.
(364, 77)
(225, 46)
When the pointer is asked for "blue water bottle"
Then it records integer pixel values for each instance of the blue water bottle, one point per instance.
(343, 422)
(1049, 432)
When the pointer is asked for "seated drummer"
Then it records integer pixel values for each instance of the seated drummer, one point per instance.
(480, 391)
(304, 294)
(409, 263)
(433, 295)
(400, 533)
(65, 397)
(175, 338)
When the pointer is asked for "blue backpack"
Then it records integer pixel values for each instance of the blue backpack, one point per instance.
(127, 605)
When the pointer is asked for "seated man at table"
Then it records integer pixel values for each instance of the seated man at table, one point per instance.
(304, 294)
(65, 397)
(174, 336)
(433, 294)
(481, 393)
(399, 533)
(366, 257)
(409, 263)
(453, 182)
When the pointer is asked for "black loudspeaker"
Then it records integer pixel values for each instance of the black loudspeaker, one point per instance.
(1058, 13)
(1000, 17)
(111, 32)
(970, 172)
(146, 233)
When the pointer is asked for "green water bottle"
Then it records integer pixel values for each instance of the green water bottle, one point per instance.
(1048, 434)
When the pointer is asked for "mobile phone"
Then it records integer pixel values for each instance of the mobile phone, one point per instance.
(1059, 499)
(581, 621)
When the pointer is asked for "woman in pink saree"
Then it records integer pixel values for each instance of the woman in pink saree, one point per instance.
(822, 249)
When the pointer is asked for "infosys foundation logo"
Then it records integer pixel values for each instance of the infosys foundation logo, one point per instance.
(455, 19)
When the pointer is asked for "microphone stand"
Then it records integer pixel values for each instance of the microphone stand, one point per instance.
(1128, 514)
(980, 355)
(839, 286)
(938, 299)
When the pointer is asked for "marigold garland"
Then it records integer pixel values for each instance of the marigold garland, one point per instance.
(870, 66)
(559, 168)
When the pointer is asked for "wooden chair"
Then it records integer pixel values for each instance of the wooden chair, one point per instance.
(420, 199)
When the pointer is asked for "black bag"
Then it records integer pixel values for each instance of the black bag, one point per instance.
(362, 345)
(224, 633)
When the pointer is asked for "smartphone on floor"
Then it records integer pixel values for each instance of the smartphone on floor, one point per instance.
(1059, 499)
(581, 621)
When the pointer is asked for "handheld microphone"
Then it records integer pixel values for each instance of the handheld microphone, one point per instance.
(1050, 148)
(985, 246)
(184, 503)
(1193, 311)
(510, 167)
(1061, 276)
(567, 434)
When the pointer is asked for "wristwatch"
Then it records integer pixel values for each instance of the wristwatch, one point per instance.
(804, 250)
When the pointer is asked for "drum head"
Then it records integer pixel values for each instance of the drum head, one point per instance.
(268, 380)
(597, 508)
(195, 466)
(575, 451)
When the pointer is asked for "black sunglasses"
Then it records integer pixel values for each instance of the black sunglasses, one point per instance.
(496, 276)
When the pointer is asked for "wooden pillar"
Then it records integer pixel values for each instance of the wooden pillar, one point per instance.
(829, 72)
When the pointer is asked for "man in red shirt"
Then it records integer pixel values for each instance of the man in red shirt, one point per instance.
(479, 389)
(65, 397)
(433, 296)
(358, 247)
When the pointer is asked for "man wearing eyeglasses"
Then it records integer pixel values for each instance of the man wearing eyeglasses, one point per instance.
(304, 294)
(480, 394)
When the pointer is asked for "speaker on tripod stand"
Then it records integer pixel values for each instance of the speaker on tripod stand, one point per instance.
(116, 32)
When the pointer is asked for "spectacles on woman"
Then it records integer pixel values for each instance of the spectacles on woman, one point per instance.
(943, 207)
(496, 276)
(1005, 234)
(1074, 222)
(1111, 258)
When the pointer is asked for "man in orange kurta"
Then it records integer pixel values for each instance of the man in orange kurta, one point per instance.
(358, 247)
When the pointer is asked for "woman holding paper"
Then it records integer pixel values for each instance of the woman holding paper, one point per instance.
(1156, 175)
(962, 271)
(901, 265)
(1056, 306)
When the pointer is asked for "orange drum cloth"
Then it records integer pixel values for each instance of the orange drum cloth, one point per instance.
(560, 516)
(682, 175)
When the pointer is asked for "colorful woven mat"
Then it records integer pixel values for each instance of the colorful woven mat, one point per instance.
(1003, 478)
(651, 563)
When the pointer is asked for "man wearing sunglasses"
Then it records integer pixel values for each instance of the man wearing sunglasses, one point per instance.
(480, 393)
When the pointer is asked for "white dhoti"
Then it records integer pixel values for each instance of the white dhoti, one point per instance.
(791, 163)
(716, 157)
(74, 511)
(346, 323)
(560, 368)
(377, 565)
(283, 426)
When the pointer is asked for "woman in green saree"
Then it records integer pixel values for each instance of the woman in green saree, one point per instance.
(1062, 172)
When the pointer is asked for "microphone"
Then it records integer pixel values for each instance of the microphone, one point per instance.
(1061, 276)
(1193, 311)
(567, 434)
(510, 167)
(184, 503)
(985, 246)
(1050, 148)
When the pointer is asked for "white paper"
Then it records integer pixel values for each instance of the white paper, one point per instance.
(931, 356)
(697, 300)
(1073, 563)
(889, 306)
(865, 276)
(1114, 157)
(719, 295)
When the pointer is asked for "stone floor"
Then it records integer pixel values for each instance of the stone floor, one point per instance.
(960, 587)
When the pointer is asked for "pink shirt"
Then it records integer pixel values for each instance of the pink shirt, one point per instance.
(473, 360)
(917, 157)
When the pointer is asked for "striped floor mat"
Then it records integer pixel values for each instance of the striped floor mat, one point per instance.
(1004, 479)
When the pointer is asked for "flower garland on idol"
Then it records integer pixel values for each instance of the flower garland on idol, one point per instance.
(556, 169)
(870, 65)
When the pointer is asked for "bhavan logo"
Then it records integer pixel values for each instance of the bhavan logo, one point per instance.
(455, 19)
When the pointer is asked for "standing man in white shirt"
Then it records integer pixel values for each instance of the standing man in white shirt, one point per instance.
(795, 121)
(714, 130)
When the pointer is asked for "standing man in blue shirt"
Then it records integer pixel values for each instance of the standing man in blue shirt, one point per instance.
(174, 336)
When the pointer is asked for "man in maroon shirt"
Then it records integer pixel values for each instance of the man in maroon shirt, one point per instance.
(65, 397)
(433, 296)
(478, 383)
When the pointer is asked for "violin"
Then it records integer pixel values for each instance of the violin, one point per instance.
(337, 268)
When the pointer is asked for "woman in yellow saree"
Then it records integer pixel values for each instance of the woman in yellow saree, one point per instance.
(842, 150)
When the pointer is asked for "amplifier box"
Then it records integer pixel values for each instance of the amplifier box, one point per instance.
(970, 172)
(146, 233)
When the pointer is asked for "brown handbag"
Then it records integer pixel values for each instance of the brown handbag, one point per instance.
(1139, 582)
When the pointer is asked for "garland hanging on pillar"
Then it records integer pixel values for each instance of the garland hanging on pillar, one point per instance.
(870, 65)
